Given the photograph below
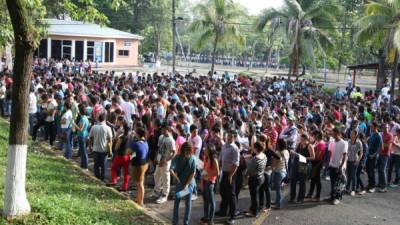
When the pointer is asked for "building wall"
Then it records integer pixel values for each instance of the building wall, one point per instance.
(131, 45)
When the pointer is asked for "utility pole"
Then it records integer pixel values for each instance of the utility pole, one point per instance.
(173, 37)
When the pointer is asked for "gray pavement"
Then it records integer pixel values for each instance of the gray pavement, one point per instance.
(370, 209)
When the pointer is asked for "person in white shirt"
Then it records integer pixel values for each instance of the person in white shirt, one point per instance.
(289, 134)
(2, 98)
(32, 109)
(66, 130)
(127, 107)
(337, 164)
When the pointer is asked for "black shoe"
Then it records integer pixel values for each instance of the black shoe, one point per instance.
(204, 220)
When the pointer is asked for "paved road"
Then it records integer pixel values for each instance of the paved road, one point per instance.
(370, 209)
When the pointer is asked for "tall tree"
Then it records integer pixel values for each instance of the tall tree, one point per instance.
(380, 24)
(27, 23)
(25, 35)
(218, 21)
(305, 22)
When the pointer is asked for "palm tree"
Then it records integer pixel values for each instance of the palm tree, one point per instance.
(304, 22)
(218, 23)
(380, 25)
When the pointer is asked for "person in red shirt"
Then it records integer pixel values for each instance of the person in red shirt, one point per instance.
(337, 114)
(384, 154)
(271, 132)
(278, 127)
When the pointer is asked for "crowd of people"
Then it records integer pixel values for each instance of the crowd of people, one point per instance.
(214, 134)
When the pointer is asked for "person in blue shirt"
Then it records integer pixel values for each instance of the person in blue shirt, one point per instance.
(183, 168)
(82, 129)
(374, 145)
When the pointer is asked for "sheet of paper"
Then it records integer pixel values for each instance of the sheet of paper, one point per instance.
(302, 159)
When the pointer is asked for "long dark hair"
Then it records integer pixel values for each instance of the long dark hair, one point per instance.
(186, 148)
(212, 154)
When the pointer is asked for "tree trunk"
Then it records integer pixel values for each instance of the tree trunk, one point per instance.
(277, 59)
(213, 54)
(290, 68)
(15, 201)
(268, 53)
(9, 59)
(303, 72)
(393, 83)
(380, 80)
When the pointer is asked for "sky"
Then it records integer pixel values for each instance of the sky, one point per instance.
(256, 6)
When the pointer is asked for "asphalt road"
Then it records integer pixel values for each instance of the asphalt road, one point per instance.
(370, 209)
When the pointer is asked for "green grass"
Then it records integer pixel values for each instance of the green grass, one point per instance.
(60, 193)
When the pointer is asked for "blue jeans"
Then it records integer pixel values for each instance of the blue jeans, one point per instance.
(277, 177)
(382, 174)
(7, 107)
(67, 142)
(360, 183)
(265, 190)
(83, 152)
(188, 207)
(209, 201)
(394, 163)
(351, 176)
(371, 167)
(100, 161)
(32, 122)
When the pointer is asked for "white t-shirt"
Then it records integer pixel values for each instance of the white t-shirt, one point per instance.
(51, 106)
(68, 119)
(197, 143)
(32, 103)
(339, 148)
(129, 110)
(100, 133)
(3, 92)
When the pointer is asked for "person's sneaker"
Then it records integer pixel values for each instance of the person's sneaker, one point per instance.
(352, 193)
(372, 190)
(194, 197)
(162, 199)
(336, 202)
(327, 178)
(393, 185)
(231, 221)
(362, 192)
(382, 190)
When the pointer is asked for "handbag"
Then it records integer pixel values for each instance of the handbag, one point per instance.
(302, 168)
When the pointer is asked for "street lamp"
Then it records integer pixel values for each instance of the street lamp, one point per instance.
(174, 19)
